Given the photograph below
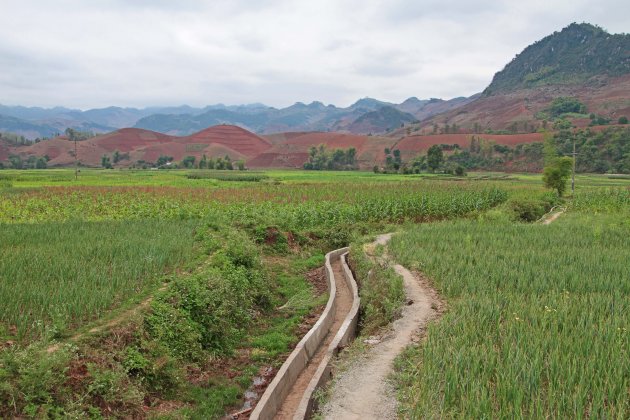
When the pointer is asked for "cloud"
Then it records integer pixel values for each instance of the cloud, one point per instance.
(158, 52)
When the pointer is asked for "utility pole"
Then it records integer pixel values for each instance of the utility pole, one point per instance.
(573, 175)
(76, 160)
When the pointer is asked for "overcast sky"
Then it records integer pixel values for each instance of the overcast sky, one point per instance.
(96, 53)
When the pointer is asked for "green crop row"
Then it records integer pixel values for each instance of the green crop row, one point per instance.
(291, 206)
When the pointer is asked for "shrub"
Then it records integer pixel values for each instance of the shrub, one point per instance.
(526, 210)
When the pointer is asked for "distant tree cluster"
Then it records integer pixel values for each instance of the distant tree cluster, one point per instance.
(597, 152)
(15, 139)
(107, 162)
(191, 162)
(76, 135)
(30, 162)
(319, 158)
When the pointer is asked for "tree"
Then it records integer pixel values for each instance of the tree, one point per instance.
(163, 160)
(228, 163)
(16, 162)
(41, 163)
(435, 157)
(106, 162)
(188, 162)
(623, 120)
(556, 174)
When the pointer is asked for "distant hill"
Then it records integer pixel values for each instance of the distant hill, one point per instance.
(571, 56)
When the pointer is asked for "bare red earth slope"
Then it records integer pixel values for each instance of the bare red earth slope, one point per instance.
(284, 150)
(139, 144)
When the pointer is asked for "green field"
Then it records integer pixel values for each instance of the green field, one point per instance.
(538, 320)
(193, 281)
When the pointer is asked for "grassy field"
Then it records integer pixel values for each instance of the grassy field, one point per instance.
(538, 320)
(225, 260)
(59, 275)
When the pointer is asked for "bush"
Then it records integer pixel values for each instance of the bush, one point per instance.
(526, 210)
(623, 120)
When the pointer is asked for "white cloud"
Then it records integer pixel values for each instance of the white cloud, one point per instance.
(143, 53)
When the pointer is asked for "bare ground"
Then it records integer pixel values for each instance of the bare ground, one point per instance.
(552, 218)
(344, 304)
(364, 391)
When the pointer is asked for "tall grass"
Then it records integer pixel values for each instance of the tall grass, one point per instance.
(538, 322)
(62, 274)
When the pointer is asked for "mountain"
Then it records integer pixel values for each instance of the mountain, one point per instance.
(184, 120)
(582, 62)
(570, 56)
(380, 121)
(367, 115)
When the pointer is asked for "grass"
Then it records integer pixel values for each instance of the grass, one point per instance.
(538, 323)
(60, 275)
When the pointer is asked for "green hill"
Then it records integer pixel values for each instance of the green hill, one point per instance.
(570, 56)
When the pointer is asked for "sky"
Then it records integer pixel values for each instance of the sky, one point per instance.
(97, 53)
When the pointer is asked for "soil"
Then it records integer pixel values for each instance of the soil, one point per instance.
(344, 304)
(549, 220)
(364, 391)
(317, 277)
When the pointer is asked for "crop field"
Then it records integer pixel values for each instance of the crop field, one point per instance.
(72, 272)
(201, 281)
(189, 249)
(538, 323)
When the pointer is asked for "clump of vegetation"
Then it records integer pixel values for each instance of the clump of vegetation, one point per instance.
(380, 288)
(319, 158)
(564, 105)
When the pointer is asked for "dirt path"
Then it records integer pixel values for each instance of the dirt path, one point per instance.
(363, 391)
(110, 323)
(344, 304)
(552, 218)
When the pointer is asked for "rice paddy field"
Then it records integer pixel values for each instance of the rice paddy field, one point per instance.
(150, 293)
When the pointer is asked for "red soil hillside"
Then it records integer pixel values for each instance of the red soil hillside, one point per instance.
(128, 139)
(413, 146)
(290, 150)
(4, 151)
(146, 145)
(236, 138)
(609, 97)
(178, 150)
(293, 151)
